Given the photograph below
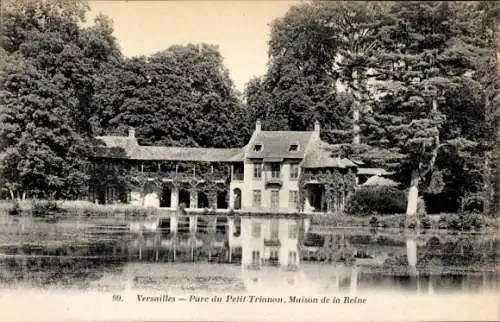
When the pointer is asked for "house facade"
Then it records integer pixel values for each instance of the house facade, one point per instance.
(276, 172)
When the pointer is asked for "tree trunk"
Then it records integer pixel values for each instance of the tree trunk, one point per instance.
(12, 194)
(487, 193)
(411, 208)
(192, 250)
(356, 139)
(174, 243)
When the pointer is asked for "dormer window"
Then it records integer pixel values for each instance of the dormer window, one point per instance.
(293, 148)
(257, 147)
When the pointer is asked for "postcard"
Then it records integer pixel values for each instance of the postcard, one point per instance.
(249, 160)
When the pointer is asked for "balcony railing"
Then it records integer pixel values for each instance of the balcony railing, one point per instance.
(272, 261)
(237, 176)
(273, 178)
(272, 242)
(254, 266)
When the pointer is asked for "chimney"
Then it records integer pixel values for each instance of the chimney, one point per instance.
(317, 127)
(258, 126)
(131, 132)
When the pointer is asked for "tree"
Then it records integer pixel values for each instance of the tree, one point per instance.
(181, 96)
(298, 86)
(422, 69)
(356, 27)
(47, 90)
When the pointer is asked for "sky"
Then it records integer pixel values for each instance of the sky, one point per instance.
(240, 28)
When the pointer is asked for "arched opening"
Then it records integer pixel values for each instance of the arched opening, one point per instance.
(237, 198)
(185, 198)
(166, 197)
(151, 195)
(202, 200)
(222, 200)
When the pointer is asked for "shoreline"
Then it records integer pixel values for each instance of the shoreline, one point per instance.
(319, 221)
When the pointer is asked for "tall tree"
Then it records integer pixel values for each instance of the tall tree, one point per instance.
(423, 68)
(46, 97)
(181, 96)
(298, 86)
(355, 27)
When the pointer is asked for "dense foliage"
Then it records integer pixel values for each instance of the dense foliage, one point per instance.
(181, 96)
(410, 86)
(377, 200)
(63, 84)
(48, 63)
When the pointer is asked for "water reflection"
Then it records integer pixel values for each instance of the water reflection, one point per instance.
(247, 254)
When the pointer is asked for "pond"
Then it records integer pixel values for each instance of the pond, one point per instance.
(247, 254)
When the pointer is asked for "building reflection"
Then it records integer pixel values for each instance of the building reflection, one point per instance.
(271, 251)
(264, 253)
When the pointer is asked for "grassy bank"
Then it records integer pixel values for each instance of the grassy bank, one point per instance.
(77, 207)
(439, 221)
(467, 222)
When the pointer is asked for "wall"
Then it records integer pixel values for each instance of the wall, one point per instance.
(249, 184)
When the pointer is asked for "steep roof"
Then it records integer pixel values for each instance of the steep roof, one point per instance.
(380, 181)
(276, 144)
(184, 154)
(320, 156)
(127, 147)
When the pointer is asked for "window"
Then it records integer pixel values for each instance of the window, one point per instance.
(292, 231)
(257, 170)
(257, 198)
(293, 199)
(256, 230)
(293, 148)
(274, 254)
(238, 171)
(257, 148)
(275, 199)
(255, 257)
(275, 170)
(275, 229)
(294, 171)
(292, 258)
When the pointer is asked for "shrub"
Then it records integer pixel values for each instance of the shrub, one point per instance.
(45, 208)
(465, 221)
(382, 200)
(477, 221)
(411, 223)
(453, 222)
(425, 222)
(15, 210)
(442, 223)
(373, 221)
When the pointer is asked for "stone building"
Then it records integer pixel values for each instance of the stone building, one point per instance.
(276, 172)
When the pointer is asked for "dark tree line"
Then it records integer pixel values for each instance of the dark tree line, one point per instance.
(410, 86)
(62, 84)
